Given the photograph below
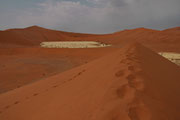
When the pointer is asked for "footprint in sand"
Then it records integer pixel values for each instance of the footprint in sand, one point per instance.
(79, 74)
(70, 79)
(6, 107)
(123, 61)
(133, 114)
(18, 86)
(74, 76)
(135, 69)
(130, 77)
(55, 86)
(134, 59)
(131, 68)
(137, 84)
(128, 55)
(124, 91)
(65, 81)
(17, 102)
(139, 113)
(119, 73)
(35, 94)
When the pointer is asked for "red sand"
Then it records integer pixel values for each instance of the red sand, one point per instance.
(33, 36)
(133, 83)
(166, 40)
(21, 66)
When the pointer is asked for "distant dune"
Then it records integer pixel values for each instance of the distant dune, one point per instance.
(131, 83)
(166, 40)
(33, 36)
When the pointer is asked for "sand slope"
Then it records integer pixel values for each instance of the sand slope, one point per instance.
(33, 36)
(21, 66)
(133, 83)
(156, 40)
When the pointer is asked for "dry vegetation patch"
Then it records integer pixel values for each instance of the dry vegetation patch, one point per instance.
(73, 44)
(173, 57)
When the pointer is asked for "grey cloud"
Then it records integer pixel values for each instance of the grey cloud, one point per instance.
(113, 3)
(118, 3)
(104, 16)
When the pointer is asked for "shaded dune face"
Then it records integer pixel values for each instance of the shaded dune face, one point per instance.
(132, 83)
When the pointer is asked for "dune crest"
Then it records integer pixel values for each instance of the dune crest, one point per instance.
(122, 85)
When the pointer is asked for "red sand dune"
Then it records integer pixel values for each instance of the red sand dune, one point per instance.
(175, 30)
(156, 40)
(166, 40)
(133, 83)
(33, 36)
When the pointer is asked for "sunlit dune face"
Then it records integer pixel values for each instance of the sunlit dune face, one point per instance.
(73, 44)
(173, 57)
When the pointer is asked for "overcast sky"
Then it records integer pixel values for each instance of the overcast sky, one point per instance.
(90, 16)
